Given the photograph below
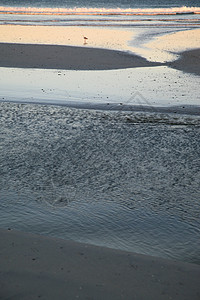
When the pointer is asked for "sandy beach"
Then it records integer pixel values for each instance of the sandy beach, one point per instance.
(36, 267)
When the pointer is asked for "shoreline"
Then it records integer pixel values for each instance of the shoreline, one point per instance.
(34, 266)
(37, 56)
(193, 110)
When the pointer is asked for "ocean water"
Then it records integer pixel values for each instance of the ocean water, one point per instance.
(100, 13)
(126, 180)
(102, 3)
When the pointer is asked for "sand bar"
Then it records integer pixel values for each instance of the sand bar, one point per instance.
(164, 48)
(103, 37)
(33, 267)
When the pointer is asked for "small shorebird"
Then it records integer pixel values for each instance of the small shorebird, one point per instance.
(85, 39)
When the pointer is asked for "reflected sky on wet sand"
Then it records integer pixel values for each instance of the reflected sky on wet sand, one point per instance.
(159, 86)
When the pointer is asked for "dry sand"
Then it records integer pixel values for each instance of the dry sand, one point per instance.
(98, 37)
(164, 48)
(36, 267)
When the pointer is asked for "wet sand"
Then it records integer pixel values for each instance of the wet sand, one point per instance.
(189, 62)
(33, 267)
(36, 267)
(84, 58)
(67, 58)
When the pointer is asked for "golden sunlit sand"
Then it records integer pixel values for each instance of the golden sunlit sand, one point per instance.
(177, 41)
(106, 38)
(165, 48)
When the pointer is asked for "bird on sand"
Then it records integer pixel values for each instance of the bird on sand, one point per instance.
(85, 39)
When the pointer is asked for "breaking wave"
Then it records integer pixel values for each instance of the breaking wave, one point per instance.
(98, 11)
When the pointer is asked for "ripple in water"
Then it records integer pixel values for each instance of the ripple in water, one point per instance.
(124, 180)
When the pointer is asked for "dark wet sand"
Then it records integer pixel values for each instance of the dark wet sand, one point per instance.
(67, 58)
(189, 62)
(36, 267)
(81, 58)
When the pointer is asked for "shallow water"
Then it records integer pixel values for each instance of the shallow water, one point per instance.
(124, 180)
(152, 87)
